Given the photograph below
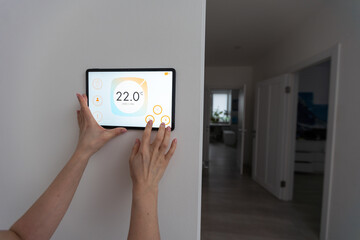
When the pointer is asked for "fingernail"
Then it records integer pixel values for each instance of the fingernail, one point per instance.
(150, 122)
(168, 129)
(123, 130)
(162, 124)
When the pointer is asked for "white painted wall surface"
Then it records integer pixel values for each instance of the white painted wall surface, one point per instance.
(338, 23)
(316, 79)
(45, 48)
(228, 77)
(233, 78)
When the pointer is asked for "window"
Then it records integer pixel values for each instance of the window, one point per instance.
(221, 106)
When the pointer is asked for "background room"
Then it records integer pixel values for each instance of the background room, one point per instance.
(275, 162)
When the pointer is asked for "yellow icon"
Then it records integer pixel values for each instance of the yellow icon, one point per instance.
(97, 83)
(165, 119)
(98, 116)
(97, 100)
(157, 109)
(149, 117)
(166, 73)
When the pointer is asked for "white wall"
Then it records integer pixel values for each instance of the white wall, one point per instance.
(228, 77)
(232, 78)
(337, 23)
(45, 48)
(316, 79)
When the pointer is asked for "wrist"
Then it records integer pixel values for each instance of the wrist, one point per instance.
(140, 191)
(81, 154)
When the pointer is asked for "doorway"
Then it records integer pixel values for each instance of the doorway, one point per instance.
(311, 128)
(284, 150)
(225, 125)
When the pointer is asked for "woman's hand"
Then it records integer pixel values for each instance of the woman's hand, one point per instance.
(148, 161)
(92, 136)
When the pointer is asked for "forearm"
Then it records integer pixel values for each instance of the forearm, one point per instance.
(9, 235)
(144, 217)
(42, 219)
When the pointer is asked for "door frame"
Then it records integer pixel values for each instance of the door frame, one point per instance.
(206, 131)
(332, 54)
(243, 130)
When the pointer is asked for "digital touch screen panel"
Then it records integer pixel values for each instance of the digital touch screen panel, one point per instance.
(131, 97)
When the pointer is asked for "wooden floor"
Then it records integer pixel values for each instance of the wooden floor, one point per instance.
(235, 207)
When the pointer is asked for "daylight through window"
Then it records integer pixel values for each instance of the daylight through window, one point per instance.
(221, 107)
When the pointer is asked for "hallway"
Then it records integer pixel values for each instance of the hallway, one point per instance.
(235, 207)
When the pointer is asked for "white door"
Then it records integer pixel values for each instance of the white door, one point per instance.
(273, 132)
(241, 128)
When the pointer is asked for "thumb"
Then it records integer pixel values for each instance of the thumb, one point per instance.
(111, 133)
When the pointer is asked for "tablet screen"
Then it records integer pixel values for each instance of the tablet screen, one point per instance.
(131, 97)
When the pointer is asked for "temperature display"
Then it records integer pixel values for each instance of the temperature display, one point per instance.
(136, 96)
(129, 95)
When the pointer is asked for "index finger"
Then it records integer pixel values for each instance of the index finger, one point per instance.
(146, 135)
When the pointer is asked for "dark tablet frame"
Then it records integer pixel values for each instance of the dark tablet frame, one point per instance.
(137, 70)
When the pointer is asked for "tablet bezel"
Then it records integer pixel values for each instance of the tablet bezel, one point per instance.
(137, 70)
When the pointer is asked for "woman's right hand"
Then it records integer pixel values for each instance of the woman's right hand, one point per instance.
(92, 136)
(148, 161)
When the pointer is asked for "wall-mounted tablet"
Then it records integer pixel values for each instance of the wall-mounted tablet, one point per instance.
(131, 97)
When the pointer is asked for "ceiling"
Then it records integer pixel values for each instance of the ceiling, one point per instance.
(239, 31)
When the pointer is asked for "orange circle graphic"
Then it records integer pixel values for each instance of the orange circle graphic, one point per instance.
(157, 113)
(153, 119)
(97, 83)
(97, 100)
(98, 116)
(167, 118)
